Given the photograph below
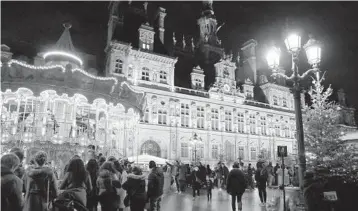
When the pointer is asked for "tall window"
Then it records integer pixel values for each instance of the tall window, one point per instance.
(162, 117)
(184, 115)
(275, 100)
(214, 151)
(200, 150)
(240, 122)
(146, 116)
(118, 67)
(145, 74)
(263, 125)
(214, 119)
(198, 84)
(286, 130)
(277, 130)
(228, 121)
(284, 102)
(200, 117)
(241, 152)
(253, 153)
(163, 76)
(252, 124)
(184, 150)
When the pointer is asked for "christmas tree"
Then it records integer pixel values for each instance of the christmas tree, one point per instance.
(323, 130)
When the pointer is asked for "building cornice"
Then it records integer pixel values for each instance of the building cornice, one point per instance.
(275, 86)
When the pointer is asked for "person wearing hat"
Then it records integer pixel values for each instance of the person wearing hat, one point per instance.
(155, 186)
(236, 186)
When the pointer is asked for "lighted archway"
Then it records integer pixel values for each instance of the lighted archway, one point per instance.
(151, 147)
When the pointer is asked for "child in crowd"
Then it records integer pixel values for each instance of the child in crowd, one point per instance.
(209, 186)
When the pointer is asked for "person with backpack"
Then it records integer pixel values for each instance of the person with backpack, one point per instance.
(108, 185)
(11, 185)
(39, 185)
(236, 186)
(155, 186)
(135, 187)
(261, 176)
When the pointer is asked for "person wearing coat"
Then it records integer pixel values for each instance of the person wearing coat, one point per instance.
(236, 186)
(261, 176)
(20, 170)
(182, 177)
(155, 186)
(135, 187)
(196, 181)
(11, 185)
(40, 185)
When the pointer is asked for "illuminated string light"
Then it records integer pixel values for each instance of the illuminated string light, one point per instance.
(35, 67)
(62, 53)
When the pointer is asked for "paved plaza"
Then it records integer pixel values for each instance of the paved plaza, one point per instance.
(221, 201)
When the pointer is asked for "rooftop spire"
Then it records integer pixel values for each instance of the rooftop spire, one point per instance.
(64, 48)
(65, 41)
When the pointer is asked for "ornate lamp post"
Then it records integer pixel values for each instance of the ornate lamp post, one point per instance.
(194, 141)
(313, 52)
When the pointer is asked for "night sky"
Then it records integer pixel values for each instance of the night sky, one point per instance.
(26, 27)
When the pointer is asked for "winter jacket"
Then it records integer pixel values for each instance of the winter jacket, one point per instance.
(135, 187)
(79, 190)
(261, 177)
(182, 172)
(108, 190)
(202, 173)
(20, 171)
(11, 191)
(209, 184)
(36, 182)
(155, 183)
(196, 181)
(236, 183)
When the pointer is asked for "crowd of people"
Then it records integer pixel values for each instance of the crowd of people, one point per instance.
(109, 183)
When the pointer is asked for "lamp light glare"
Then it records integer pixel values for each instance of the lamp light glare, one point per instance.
(293, 42)
(313, 51)
(61, 53)
(273, 57)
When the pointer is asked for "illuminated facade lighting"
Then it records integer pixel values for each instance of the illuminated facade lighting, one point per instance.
(62, 53)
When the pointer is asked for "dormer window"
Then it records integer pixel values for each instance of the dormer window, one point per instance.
(226, 73)
(275, 100)
(145, 46)
(118, 67)
(145, 74)
(163, 77)
(198, 84)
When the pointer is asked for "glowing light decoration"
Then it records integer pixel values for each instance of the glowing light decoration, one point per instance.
(293, 42)
(35, 67)
(313, 51)
(273, 58)
(62, 53)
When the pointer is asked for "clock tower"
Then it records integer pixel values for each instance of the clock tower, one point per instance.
(225, 74)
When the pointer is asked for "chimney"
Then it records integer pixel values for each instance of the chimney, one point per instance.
(162, 15)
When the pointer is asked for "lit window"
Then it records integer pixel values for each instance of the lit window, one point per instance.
(214, 119)
(240, 122)
(146, 116)
(145, 74)
(200, 151)
(253, 153)
(118, 66)
(163, 77)
(184, 115)
(162, 117)
(228, 121)
(277, 130)
(214, 151)
(284, 102)
(184, 150)
(200, 117)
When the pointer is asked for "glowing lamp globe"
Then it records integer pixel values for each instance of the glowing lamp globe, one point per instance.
(313, 51)
(293, 42)
(273, 57)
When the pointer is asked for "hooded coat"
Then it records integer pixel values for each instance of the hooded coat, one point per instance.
(108, 193)
(236, 183)
(135, 187)
(78, 190)
(155, 183)
(36, 182)
(11, 191)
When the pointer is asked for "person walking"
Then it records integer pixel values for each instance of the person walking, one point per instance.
(155, 186)
(269, 169)
(108, 186)
(135, 187)
(275, 173)
(182, 177)
(236, 186)
(77, 182)
(93, 170)
(196, 182)
(250, 173)
(209, 186)
(39, 185)
(261, 177)
(225, 174)
(11, 185)
(20, 170)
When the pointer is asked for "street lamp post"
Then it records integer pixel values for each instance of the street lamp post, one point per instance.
(313, 52)
(194, 141)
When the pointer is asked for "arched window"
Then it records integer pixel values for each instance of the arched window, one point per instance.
(145, 74)
(118, 67)
(150, 148)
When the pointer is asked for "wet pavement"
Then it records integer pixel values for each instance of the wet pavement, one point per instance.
(221, 201)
